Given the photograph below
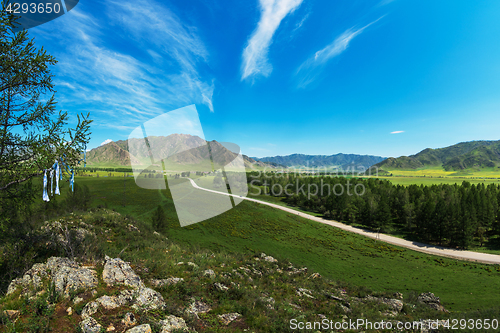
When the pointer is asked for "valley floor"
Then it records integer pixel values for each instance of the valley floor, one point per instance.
(417, 246)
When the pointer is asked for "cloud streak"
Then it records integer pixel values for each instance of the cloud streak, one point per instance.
(397, 132)
(129, 63)
(309, 70)
(254, 59)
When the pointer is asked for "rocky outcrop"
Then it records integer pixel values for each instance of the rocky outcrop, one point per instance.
(69, 279)
(66, 275)
(431, 301)
(118, 272)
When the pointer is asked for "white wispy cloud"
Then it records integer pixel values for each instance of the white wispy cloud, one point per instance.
(300, 23)
(308, 70)
(255, 61)
(106, 142)
(121, 85)
(397, 132)
(385, 2)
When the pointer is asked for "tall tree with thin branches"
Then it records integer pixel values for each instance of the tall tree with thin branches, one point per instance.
(32, 134)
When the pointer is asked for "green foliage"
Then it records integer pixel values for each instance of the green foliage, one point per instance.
(333, 253)
(159, 220)
(30, 137)
(79, 198)
(453, 215)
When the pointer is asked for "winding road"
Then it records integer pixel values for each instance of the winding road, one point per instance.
(420, 247)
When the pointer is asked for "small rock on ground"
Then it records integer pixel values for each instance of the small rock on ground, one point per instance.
(140, 329)
(227, 318)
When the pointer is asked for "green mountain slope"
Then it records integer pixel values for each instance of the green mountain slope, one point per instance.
(464, 155)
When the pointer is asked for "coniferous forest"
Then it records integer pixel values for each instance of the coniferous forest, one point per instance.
(459, 215)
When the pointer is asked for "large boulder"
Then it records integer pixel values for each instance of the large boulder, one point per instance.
(118, 272)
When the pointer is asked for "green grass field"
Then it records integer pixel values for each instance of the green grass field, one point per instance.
(331, 252)
(399, 180)
(435, 171)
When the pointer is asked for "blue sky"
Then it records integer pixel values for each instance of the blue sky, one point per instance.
(278, 77)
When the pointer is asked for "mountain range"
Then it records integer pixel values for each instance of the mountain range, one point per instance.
(344, 161)
(181, 149)
(461, 156)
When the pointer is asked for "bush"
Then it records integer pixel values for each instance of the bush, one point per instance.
(79, 198)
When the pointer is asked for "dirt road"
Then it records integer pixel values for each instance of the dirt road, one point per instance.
(421, 247)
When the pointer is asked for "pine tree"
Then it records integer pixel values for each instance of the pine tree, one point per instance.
(159, 220)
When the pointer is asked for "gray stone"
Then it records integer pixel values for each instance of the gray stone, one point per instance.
(165, 282)
(140, 329)
(118, 272)
(428, 298)
(77, 300)
(220, 287)
(227, 318)
(12, 314)
(171, 323)
(129, 319)
(66, 274)
(90, 325)
(32, 279)
(304, 292)
(192, 264)
(270, 259)
(149, 299)
(89, 309)
(108, 302)
(67, 279)
(132, 227)
(125, 297)
(198, 307)
(431, 301)
(210, 273)
(394, 304)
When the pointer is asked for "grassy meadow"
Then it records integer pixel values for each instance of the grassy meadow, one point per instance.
(437, 171)
(336, 254)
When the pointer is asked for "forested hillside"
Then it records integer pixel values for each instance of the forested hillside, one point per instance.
(453, 215)
(464, 155)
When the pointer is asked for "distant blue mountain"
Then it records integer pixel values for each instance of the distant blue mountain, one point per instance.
(340, 160)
